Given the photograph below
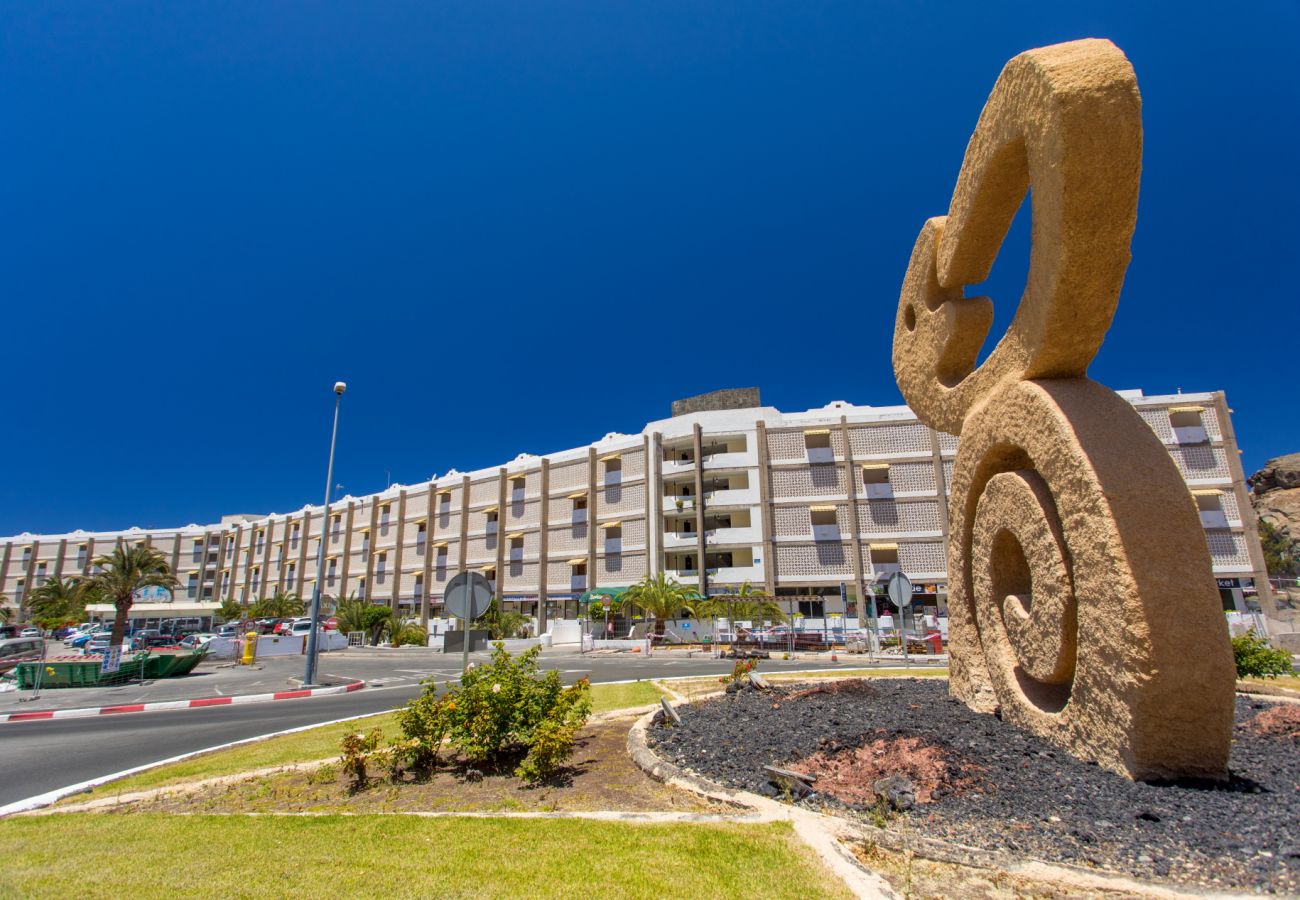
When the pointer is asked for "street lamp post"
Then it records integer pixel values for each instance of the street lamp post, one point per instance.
(309, 674)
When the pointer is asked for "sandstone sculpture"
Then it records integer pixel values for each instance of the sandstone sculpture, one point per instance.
(1081, 598)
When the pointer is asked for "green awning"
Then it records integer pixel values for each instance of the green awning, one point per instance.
(597, 594)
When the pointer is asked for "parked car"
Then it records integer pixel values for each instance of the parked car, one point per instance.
(142, 640)
(30, 633)
(81, 640)
(230, 629)
(97, 643)
(195, 641)
(16, 650)
(8, 631)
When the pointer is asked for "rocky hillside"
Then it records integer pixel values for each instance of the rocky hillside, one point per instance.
(1275, 494)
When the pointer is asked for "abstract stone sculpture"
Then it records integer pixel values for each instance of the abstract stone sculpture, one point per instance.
(1081, 597)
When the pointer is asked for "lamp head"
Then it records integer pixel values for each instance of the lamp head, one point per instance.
(340, 387)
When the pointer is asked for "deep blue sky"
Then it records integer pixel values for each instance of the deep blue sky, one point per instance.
(517, 226)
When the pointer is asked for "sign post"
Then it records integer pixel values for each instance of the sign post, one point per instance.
(900, 594)
(467, 597)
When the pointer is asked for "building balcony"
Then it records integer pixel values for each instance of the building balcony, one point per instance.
(743, 534)
(678, 466)
(1213, 518)
(683, 540)
(747, 496)
(739, 460)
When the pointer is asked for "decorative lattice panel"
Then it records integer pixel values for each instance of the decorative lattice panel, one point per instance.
(620, 569)
(633, 463)
(571, 540)
(809, 481)
(1201, 461)
(883, 516)
(417, 505)
(947, 476)
(786, 445)
(1227, 549)
(947, 443)
(569, 477)
(821, 560)
(1230, 507)
(445, 525)
(837, 441)
(912, 476)
(1210, 419)
(482, 550)
(634, 531)
(621, 499)
(923, 557)
(791, 521)
(484, 492)
(1158, 420)
(519, 575)
(875, 440)
(524, 512)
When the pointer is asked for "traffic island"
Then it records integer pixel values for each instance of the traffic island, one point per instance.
(914, 773)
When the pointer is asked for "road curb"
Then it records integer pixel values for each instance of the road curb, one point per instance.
(160, 705)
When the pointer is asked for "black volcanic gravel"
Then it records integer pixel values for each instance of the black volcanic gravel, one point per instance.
(1031, 799)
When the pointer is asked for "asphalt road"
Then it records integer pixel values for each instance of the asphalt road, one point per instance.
(46, 755)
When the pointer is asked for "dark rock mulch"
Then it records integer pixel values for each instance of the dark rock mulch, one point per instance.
(1026, 797)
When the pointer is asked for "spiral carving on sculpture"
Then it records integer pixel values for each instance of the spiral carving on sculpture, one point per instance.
(1081, 599)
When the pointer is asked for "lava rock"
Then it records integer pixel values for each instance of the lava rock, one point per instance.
(897, 791)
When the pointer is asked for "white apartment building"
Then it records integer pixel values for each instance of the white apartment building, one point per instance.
(815, 506)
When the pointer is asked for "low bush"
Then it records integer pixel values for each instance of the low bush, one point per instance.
(410, 635)
(503, 711)
(1256, 657)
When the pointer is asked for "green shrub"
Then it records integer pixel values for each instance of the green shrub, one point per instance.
(410, 635)
(1256, 658)
(424, 724)
(501, 711)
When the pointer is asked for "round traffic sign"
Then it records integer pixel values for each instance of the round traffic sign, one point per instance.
(468, 595)
(900, 590)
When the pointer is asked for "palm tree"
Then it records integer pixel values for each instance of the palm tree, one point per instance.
(278, 606)
(59, 601)
(660, 597)
(124, 572)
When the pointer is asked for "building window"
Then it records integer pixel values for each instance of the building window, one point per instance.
(825, 523)
(230, 549)
(381, 567)
(82, 552)
(257, 578)
(331, 572)
(577, 574)
(421, 536)
(27, 555)
(261, 541)
(884, 559)
(875, 483)
(579, 509)
(19, 589)
(192, 587)
(419, 587)
(613, 537)
(1189, 428)
(289, 576)
(384, 514)
(40, 571)
(517, 487)
(198, 551)
(365, 542)
(613, 471)
(294, 534)
(336, 526)
(493, 519)
(1210, 506)
(817, 443)
(812, 609)
(516, 545)
(361, 589)
(440, 562)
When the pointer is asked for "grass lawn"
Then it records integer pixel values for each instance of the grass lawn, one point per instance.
(401, 856)
(607, 697)
(318, 743)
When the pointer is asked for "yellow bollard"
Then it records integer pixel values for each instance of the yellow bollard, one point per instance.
(250, 648)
